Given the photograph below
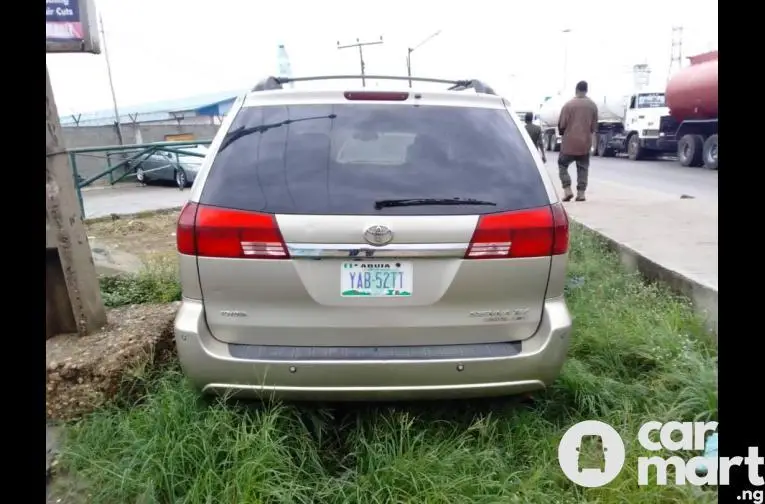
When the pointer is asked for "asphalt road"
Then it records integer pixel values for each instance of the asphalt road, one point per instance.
(656, 175)
(661, 175)
(130, 199)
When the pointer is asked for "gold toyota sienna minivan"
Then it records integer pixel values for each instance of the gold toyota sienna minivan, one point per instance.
(359, 244)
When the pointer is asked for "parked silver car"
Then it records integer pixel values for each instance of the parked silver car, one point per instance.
(164, 166)
(368, 245)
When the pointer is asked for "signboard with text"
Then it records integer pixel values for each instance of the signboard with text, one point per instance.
(180, 137)
(70, 27)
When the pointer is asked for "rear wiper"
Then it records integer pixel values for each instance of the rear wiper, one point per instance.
(241, 131)
(429, 201)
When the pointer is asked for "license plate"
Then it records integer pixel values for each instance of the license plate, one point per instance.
(376, 279)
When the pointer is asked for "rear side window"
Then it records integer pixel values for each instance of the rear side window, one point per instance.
(341, 159)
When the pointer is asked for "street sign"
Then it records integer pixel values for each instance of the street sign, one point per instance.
(71, 27)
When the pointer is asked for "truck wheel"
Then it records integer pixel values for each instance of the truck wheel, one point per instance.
(603, 149)
(710, 153)
(634, 150)
(690, 149)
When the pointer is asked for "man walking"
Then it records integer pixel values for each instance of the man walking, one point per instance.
(535, 132)
(578, 121)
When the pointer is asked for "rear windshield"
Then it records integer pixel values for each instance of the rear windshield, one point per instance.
(342, 159)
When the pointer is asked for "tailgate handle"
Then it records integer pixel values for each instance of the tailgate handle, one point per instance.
(363, 250)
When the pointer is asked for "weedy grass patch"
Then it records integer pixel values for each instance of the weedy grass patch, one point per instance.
(157, 282)
(638, 353)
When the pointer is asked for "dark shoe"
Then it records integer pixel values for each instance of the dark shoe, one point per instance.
(567, 194)
(580, 196)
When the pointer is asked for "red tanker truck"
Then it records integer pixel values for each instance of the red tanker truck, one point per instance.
(691, 96)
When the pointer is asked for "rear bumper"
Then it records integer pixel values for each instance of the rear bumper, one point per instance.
(211, 367)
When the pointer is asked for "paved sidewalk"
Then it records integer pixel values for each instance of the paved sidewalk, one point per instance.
(676, 235)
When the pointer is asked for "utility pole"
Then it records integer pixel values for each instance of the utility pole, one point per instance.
(73, 298)
(410, 50)
(641, 74)
(676, 54)
(111, 83)
(360, 44)
(565, 32)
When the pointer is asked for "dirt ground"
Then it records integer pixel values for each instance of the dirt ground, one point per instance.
(141, 236)
(84, 372)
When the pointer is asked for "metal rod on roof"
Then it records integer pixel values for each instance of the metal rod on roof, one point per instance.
(111, 83)
(360, 44)
(410, 50)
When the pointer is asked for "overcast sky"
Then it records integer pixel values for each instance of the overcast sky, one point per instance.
(169, 49)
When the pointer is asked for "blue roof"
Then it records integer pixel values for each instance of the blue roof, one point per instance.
(210, 104)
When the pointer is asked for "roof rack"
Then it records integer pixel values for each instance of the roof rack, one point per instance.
(271, 83)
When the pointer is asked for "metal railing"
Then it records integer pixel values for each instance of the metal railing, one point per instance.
(131, 157)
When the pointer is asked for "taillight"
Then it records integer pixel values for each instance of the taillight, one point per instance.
(538, 232)
(560, 232)
(217, 232)
(375, 96)
(184, 235)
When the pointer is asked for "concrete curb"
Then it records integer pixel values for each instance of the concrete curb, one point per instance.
(703, 297)
(137, 215)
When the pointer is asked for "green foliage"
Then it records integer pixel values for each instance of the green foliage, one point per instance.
(638, 353)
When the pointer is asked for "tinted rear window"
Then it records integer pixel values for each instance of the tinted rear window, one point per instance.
(341, 159)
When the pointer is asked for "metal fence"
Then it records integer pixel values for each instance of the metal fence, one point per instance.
(121, 161)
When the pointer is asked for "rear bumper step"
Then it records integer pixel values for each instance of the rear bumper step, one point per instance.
(324, 353)
(372, 373)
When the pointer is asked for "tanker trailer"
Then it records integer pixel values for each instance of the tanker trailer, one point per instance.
(692, 100)
(627, 124)
(549, 115)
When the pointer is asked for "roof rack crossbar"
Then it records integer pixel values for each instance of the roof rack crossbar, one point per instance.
(480, 87)
(271, 83)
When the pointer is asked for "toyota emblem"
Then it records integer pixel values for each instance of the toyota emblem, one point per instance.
(378, 235)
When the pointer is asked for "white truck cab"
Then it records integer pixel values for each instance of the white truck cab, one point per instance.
(643, 113)
(637, 131)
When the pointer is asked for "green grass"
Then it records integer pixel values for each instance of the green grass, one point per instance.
(638, 354)
(157, 282)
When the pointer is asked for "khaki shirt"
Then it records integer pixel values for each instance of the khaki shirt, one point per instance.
(578, 120)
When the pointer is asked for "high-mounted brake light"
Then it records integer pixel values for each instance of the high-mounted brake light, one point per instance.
(375, 96)
(218, 232)
(537, 232)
